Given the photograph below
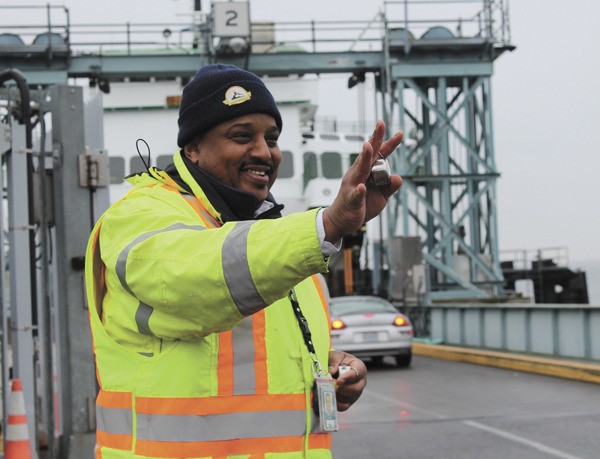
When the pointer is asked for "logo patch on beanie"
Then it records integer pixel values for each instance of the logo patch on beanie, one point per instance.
(236, 95)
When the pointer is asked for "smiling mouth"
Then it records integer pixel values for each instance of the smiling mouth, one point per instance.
(259, 177)
(257, 172)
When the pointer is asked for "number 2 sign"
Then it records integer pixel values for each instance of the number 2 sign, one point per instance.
(231, 19)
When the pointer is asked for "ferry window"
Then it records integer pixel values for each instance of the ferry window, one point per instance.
(331, 162)
(136, 165)
(330, 137)
(352, 158)
(116, 164)
(355, 138)
(308, 135)
(310, 167)
(163, 161)
(286, 168)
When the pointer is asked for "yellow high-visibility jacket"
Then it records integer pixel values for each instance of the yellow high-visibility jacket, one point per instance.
(198, 351)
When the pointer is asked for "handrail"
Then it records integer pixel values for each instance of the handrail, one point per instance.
(318, 36)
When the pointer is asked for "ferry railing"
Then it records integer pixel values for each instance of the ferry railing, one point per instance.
(462, 18)
(51, 32)
(487, 19)
(525, 259)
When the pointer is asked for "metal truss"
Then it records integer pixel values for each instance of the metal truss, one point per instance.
(449, 195)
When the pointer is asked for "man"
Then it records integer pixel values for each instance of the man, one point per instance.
(209, 321)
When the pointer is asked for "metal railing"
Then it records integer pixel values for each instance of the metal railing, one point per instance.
(53, 22)
(525, 259)
(454, 20)
(558, 330)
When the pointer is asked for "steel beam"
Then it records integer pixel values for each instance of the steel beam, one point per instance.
(72, 203)
(22, 285)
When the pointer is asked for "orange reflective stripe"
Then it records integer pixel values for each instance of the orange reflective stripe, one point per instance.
(115, 441)
(319, 441)
(164, 177)
(219, 448)
(205, 216)
(112, 399)
(260, 352)
(114, 419)
(225, 364)
(319, 286)
(201, 406)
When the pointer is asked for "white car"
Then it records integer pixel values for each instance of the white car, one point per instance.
(369, 326)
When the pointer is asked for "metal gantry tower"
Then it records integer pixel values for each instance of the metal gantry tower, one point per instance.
(439, 90)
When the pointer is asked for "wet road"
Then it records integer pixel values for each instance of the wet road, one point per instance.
(442, 409)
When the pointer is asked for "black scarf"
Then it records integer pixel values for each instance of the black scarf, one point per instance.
(233, 204)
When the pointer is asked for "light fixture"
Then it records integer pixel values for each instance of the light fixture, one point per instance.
(104, 85)
(233, 46)
(357, 77)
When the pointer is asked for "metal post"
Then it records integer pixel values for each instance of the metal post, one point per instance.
(21, 301)
(45, 328)
(77, 378)
(444, 169)
(487, 8)
(4, 291)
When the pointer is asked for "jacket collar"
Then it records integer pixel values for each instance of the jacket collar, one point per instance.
(231, 203)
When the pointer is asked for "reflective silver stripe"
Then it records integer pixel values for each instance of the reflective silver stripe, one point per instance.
(114, 420)
(142, 318)
(237, 272)
(204, 213)
(121, 267)
(216, 427)
(244, 376)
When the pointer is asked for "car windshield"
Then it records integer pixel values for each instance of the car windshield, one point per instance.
(359, 306)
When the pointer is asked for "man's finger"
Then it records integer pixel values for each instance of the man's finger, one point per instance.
(357, 196)
(363, 164)
(377, 136)
(391, 144)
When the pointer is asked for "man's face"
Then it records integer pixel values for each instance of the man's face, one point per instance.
(242, 153)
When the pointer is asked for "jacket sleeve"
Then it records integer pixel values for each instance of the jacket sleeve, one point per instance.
(194, 281)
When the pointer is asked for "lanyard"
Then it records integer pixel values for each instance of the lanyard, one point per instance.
(317, 369)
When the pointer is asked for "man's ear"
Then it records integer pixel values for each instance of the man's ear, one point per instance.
(192, 152)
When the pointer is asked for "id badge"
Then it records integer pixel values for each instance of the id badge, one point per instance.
(327, 404)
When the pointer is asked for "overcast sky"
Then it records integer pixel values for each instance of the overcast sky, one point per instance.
(546, 108)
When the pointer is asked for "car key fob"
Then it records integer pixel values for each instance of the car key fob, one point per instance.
(380, 171)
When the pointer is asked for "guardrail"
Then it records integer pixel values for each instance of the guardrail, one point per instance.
(557, 330)
(430, 19)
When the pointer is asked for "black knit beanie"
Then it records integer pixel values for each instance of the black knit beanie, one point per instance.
(218, 93)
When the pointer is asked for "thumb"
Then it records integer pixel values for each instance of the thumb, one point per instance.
(358, 195)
